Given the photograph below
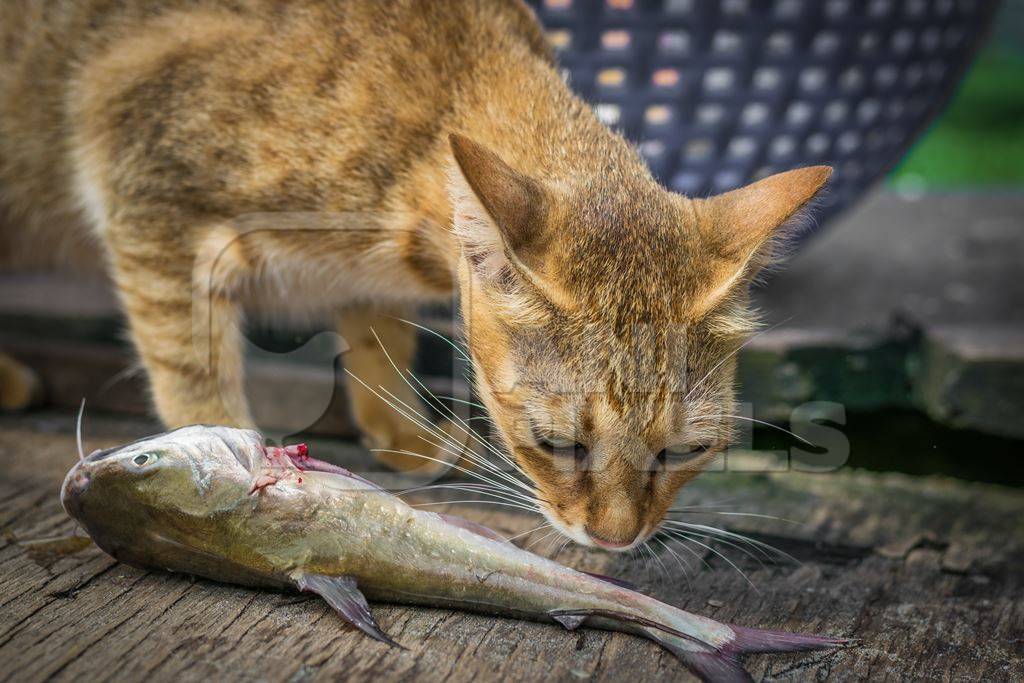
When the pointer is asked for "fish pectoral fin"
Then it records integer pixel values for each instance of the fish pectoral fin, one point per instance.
(571, 622)
(341, 593)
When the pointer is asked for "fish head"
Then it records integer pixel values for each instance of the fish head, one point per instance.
(147, 498)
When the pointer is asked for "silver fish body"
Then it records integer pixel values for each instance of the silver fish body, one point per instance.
(215, 502)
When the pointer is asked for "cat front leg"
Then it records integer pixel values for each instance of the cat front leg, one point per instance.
(385, 406)
(183, 320)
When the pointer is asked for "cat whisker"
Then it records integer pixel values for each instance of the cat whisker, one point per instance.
(462, 453)
(481, 502)
(434, 430)
(429, 427)
(683, 566)
(648, 556)
(482, 489)
(541, 539)
(730, 513)
(468, 472)
(485, 489)
(681, 543)
(562, 547)
(461, 424)
(551, 544)
(473, 485)
(545, 525)
(717, 365)
(723, 533)
(438, 404)
(505, 480)
(430, 399)
(458, 349)
(762, 423)
(455, 399)
(664, 569)
(638, 553)
(723, 541)
(707, 529)
(132, 370)
(732, 564)
(719, 503)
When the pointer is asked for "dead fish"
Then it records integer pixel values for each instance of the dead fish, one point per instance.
(216, 502)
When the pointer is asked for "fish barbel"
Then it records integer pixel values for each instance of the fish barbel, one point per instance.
(216, 502)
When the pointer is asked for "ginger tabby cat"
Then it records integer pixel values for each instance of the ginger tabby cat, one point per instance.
(602, 311)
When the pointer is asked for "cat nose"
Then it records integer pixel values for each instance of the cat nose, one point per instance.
(608, 543)
(614, 525)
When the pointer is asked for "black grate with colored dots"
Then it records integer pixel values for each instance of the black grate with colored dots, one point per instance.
(721, 92)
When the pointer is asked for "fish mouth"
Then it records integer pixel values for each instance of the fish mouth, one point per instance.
(75, 485)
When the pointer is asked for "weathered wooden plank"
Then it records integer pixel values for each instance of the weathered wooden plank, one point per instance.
(926, 572)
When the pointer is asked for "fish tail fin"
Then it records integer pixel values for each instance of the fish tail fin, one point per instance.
(711, 650)
(750, 640)
(707, 663)
(722, 662)
(676, 635)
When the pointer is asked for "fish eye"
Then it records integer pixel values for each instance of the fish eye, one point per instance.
(143, 459)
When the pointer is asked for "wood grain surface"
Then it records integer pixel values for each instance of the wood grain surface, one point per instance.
(925, 572)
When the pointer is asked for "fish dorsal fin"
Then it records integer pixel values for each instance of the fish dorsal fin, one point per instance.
(621, 583)
(341, 593)
(478, 529)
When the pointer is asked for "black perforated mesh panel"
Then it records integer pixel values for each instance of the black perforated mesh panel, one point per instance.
(720, 92)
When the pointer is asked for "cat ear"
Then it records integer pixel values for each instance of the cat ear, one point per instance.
(738, 227)
(499, 213)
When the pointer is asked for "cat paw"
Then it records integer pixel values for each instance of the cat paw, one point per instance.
(20, 387)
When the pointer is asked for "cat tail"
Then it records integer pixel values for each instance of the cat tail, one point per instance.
(690, 639)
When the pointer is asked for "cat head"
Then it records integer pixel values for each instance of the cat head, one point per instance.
(603, 317)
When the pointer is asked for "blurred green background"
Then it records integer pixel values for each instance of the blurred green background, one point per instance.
(979, 139)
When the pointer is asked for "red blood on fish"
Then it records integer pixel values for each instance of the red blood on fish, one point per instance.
(295, 454)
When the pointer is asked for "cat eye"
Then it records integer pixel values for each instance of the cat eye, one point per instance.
(563, 449)
(681, 454)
